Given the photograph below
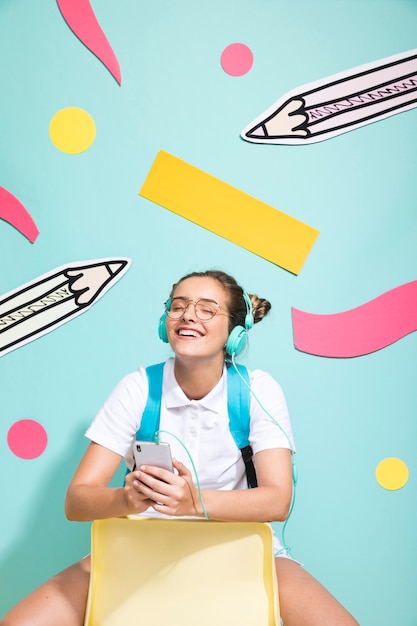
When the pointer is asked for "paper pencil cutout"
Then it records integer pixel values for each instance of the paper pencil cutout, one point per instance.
(228, 212)
(52, 299)
(339, 103)
(365, 329)
(81, 19)
(13, 212)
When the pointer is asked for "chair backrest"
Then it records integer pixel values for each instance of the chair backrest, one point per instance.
(182, 572)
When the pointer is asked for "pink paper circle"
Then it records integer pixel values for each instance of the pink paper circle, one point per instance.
(27, 439)
(236, 59)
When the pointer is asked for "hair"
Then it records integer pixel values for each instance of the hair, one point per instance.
(236, 301)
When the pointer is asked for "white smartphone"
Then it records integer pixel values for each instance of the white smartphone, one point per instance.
(150, 453)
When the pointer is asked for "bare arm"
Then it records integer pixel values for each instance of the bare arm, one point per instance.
(269, 502)
(88, 496)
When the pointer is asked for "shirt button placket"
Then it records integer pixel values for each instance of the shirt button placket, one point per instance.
(192, 430)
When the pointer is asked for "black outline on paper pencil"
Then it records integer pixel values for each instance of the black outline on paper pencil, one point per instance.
(339, 103)
(52, 299)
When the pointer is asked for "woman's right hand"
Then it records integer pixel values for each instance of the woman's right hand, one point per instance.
(136, 501)
(89, 497)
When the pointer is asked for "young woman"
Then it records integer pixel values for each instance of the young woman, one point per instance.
(205, 322)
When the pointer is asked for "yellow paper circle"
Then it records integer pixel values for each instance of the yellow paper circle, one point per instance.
(392, 473)
(72, 130)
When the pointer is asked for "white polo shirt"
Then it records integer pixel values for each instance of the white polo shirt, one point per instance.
(201, 425)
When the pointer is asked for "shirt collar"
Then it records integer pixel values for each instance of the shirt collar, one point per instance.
(174, 396)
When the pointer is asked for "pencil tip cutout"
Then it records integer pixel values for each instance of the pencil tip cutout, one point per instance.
(258, 131)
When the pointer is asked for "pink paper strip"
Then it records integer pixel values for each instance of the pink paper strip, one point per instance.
(81, 19)
(359, 331)
(13, 211)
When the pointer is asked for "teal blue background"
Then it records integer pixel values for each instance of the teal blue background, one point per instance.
(358, 189)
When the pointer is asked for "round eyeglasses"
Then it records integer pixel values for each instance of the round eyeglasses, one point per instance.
(205, 309)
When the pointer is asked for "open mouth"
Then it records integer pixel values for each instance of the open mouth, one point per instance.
(187, 332)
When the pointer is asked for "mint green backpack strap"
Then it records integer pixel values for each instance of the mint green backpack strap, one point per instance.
(149, 424)
(238, 406)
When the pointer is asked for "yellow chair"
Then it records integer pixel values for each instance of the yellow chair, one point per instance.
(181, 572)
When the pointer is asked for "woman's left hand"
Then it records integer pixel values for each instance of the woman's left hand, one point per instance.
(172, 494)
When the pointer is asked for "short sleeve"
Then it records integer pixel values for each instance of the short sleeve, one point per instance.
(118, 420)
(270, 425)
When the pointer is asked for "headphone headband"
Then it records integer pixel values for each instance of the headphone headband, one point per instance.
(249, 321)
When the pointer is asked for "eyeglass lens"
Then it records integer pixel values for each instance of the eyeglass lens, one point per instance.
(204, 309)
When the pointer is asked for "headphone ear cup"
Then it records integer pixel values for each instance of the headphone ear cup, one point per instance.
(162, 328)
(236, 341)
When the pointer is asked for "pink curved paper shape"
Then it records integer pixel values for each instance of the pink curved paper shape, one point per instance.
(359, 331)
(13, 211)
(81, 19)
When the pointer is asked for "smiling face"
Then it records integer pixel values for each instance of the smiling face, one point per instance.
(191, 338)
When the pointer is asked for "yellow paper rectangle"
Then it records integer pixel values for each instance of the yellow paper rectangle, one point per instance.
(228, 212)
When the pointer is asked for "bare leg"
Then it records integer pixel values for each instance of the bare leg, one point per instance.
(60, 601)
(304, 601)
